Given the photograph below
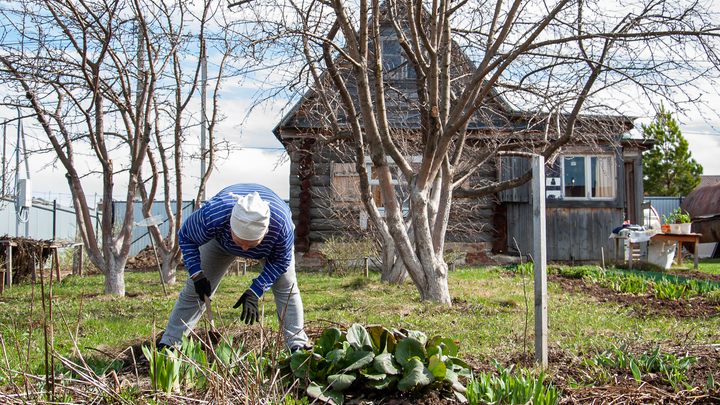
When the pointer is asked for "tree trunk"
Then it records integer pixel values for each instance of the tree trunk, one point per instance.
(114, 279)
(397, 275)
(169, 267)
(436, 289)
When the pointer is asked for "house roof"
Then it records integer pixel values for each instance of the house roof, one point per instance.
(708, 180)
(496, 115)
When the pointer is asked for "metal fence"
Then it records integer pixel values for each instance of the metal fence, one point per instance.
(140, 236)
(52, 222)
(665, 205)
(44, 221)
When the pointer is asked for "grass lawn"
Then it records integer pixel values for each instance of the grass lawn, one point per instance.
(491, 316)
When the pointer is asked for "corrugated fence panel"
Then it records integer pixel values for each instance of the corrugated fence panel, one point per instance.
(664, 205)
(44, 222)
(140, 237)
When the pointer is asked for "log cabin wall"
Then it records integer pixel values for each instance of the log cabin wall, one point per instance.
(325, 202)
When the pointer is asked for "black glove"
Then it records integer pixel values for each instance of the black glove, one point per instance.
(202, 286)
(249, 302)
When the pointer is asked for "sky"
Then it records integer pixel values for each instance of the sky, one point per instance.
(258, 158)
(261, 158)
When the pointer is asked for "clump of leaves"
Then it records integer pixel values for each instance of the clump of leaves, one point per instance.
(376, 358)
(677, 217)
(634, 285)
(164, 369)
(196, 360)
(665, 289)
(511, 388)
(574, 272)
(673, 368)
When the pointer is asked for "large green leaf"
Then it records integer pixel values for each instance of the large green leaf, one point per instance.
(458, 362)
(382, 339)
(451, 347)
(434, 341)
(416, 334)
(359, 337)
(359, 359)
(437, 367)
(384, 384)
(340, 382)
(324, 394)
(433, 350)
(335, 356)
(328, 339)
(385, 363)
(415, 374)
(374, 375)
(407, 349)
(302, 364)
(453, 379)
(299, 359)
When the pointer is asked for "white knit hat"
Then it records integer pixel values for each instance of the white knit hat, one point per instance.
(250, 217)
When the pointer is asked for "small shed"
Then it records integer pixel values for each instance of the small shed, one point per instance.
(593, 184)
(589, 192)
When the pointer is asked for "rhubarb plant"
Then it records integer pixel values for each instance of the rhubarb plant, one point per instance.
(376, 358)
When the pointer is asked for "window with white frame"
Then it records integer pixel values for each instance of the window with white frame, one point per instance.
(398, 180)
(589, 177)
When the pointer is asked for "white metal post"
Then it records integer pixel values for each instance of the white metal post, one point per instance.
(540, 259)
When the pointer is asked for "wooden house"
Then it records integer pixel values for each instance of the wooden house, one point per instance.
(592, 186)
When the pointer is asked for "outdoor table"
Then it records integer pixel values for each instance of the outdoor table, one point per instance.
(644, 236)
(680, 238)
(631, 237)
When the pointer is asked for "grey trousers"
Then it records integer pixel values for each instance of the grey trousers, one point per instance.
(215, 262)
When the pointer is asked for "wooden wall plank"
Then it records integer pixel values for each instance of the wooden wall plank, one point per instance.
(562, 237)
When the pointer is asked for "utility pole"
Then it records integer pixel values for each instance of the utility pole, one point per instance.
(17, 179)
(203, 121)
(4, 167)
(23, 187)
(28, 188)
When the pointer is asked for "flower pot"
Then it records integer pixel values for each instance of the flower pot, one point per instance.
(674, 228)
(686, 228)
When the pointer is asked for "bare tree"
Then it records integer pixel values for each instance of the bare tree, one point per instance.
(568, 64)
(216, 36)
(103, 79)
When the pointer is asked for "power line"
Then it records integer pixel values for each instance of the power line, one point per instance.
(700, 133)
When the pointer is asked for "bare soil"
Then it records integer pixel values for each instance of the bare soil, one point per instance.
(644, 305)
(564, 367)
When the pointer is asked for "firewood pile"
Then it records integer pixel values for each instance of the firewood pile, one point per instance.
(26, 254)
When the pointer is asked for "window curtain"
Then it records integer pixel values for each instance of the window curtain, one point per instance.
(604, 177)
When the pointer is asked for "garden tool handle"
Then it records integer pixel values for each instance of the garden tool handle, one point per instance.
(208, 308)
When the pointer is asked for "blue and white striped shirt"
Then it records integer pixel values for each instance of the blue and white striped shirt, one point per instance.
(212, 220)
